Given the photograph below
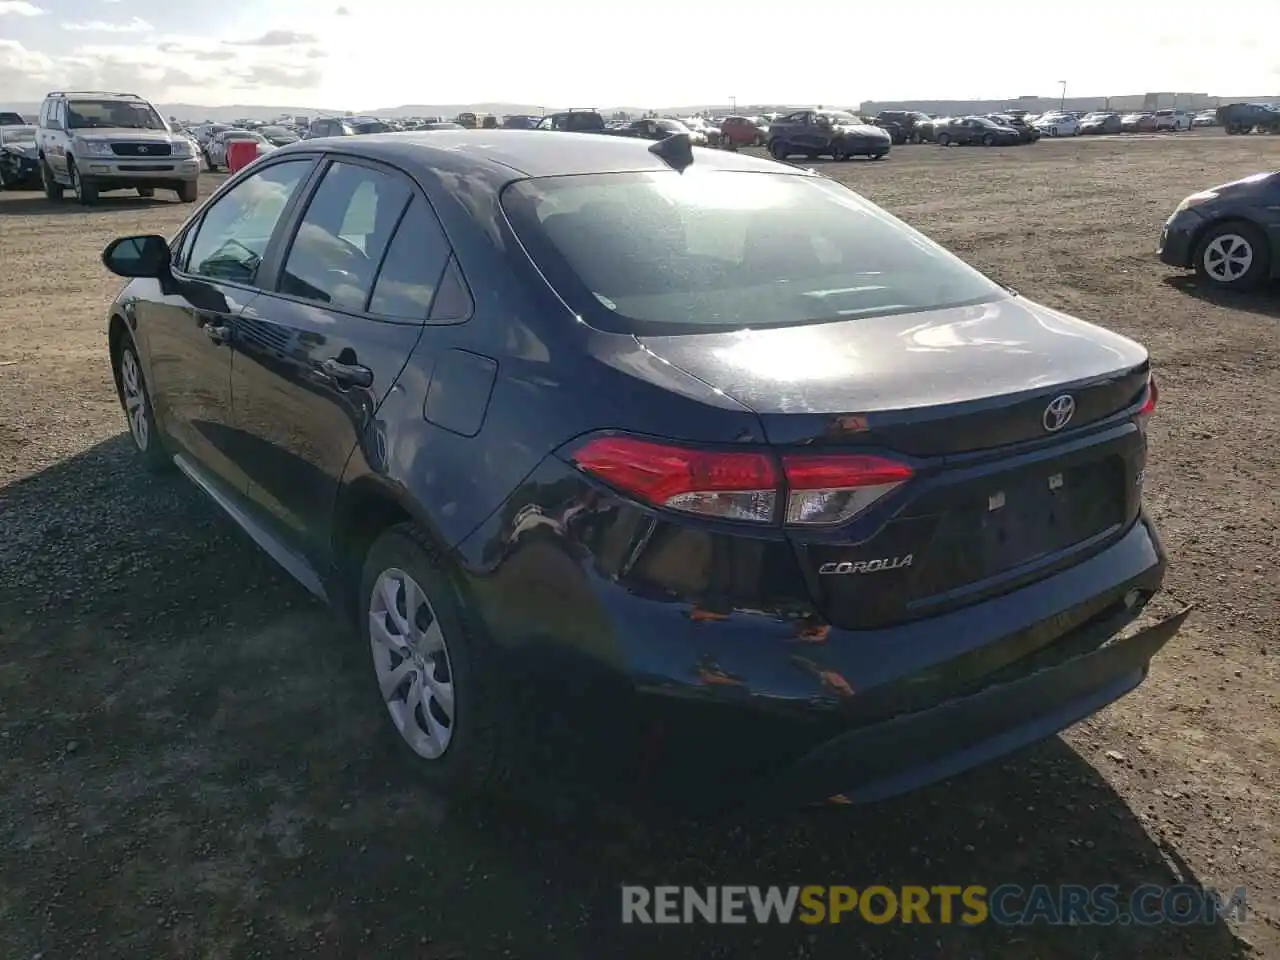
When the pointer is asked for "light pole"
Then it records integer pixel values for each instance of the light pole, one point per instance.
(733, 103)
(1062, 103)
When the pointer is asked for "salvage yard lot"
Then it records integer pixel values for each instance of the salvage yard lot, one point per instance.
(188, 767)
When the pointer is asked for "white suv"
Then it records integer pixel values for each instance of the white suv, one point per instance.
(1175, 120)
(93, 141)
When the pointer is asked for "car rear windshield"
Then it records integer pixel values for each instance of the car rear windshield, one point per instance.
(664, 253)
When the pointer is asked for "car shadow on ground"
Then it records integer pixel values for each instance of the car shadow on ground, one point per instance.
(1265, 301)
(193, 757)
(36, 204)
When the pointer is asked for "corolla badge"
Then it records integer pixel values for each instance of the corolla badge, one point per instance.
(1059, 412)
(847, 567)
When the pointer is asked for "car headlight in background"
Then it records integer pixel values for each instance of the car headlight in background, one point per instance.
(182, 148)
(1195, 200)
(93, 148)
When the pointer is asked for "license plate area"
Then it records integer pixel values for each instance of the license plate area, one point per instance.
(1020, 518)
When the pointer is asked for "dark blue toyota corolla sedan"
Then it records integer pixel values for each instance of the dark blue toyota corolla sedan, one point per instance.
(701, 455)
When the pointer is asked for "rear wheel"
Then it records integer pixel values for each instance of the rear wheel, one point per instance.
(839, 152)
(988, 141)
(944, 139)
(430, 669)
(1233, 256)
(4, 180)
(52, 188)
(779, 150)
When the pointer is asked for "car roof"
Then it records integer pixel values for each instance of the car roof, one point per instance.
(530, 153)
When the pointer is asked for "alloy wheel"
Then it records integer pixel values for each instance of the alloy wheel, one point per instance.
(135, 400)
(1228, 257)
(411, 659)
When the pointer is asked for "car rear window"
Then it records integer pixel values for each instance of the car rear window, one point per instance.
(664, 253)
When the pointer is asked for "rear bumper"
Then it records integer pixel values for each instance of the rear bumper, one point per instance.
(920, 748)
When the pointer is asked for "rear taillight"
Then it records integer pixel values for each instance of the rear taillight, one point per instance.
(831, 488)
(1152, 398)
(819, 489)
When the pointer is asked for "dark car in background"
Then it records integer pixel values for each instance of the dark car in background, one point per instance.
(1240, 118)
(1101, 122)
(520, 121)
(574, 121)
(1026, 132)
(19, 157)
(649, 128)
(723, 467)
(1229, 234)
(826, 133)
(10, 119)
(278, 136)
(1138, 123)
(901, 124)
(981, 131)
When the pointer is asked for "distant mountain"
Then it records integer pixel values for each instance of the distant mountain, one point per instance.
(238, 111)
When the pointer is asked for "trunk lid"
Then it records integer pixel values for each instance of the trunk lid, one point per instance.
(1003, 493)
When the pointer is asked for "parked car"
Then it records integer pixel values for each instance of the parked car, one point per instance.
(1058, 124)
(704, 135)
(1101, 122)
(520, 122)
(715, 433)
(738, 132)
(651, 128)
(1229, 234)
(1174, 121)
(1138, 123)
(574, 121)
(975, 130)
(901, 124)
(278, 136)
(1205, 118)
(91, 143)
(215, 154)
(10, 119)
(926, 131)
(19, 157)
(1239, 118)
(830, 133)
(1026, 132)
(345, 127)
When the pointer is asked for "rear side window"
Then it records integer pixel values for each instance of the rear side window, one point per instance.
(662, 253)
(341, 239)
(411, 271)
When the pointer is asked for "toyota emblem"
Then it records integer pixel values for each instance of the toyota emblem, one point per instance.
(1059, 412)
(143, 149)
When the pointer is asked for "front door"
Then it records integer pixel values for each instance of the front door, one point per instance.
(190, 330)
(315, 360)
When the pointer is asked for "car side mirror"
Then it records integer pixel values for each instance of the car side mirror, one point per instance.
(143, 256)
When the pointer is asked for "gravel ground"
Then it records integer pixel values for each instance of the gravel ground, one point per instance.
(188, 768)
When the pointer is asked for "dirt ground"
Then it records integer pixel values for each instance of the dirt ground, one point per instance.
(187, 768)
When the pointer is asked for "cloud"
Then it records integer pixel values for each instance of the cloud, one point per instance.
(342, 12)
(285, 78)
(134, 25)
(275, 38)
(20, 8)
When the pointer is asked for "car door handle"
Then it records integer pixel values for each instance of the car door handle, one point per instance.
(217, 333)
(347, 374)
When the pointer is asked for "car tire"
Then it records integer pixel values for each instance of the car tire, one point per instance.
(1233, 256)
(432, 671)
(135, 400)
(916, 138)
(189, 191)
(988, 140)
(4, 181)
(878, 156)
(52, 188)
(944, 139)
(86, 191)
(779, 150)
(146, 192)
(839, 153)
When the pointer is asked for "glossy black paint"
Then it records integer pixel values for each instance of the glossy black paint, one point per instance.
(1254, 200)
(322, 423)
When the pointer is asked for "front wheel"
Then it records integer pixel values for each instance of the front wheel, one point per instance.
(189, 191)
(52, 188)
(778, 150)
(839, 152)
(86, 191)
(944, 140)
(1233, 256)
(988, 141)
(431, 669)
(136, 401)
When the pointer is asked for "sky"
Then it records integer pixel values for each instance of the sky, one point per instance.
(365, 54)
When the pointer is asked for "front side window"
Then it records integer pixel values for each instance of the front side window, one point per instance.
(235, 232)
(663, 253)
(105, 114)
(343, 235)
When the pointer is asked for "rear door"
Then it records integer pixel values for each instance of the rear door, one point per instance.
(317, 357)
